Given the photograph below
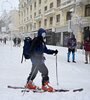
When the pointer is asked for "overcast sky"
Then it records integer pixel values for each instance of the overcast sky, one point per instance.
(8, 5)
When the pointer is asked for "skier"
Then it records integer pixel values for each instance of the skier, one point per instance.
(71, 48)
(38, 48)
(87, 49)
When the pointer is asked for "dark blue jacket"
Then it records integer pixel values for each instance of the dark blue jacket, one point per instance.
(72, 43)
(38, 49)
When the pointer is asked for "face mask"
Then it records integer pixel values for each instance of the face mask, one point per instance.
(43, 35)
(44, 39)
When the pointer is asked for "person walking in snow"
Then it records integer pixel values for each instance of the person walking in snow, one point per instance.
(38, 48)
(71, 48)
(87, 49)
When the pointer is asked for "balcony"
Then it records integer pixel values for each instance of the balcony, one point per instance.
(38, 17)
(28, 21)
(49, 12)
(82, 21)
(84, 2)
(86, 21)
(67, 3)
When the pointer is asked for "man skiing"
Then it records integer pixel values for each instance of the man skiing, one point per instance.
(38, 48)
(71, 48)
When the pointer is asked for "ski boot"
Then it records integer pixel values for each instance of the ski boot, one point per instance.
(86, 62)
(30, 85)
(74, 61)
(47, 87)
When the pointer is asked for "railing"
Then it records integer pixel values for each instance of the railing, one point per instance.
(81, 20)
(86, 20)
(67, 3)
(50, 11)
(38, 17)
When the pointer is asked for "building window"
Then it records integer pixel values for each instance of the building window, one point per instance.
(31, 16)
(58, 18)
(51, 5)
(45, 8)
(27, 27)
(51, 20)
(35, 5)
(35, 25)
(69, 15)
(40, 11)
(31, 7)
(27, 1)
(39, 23)
(45, 1)
(27, 11)
(39, 1)
(45, 22)
(58, 3)
(22, 6)
(30, 26)
(87, 10)
(34, 14)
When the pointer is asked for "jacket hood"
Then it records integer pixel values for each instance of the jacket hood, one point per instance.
(40, 31)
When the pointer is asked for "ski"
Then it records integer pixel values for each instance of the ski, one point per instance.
(39, 90)
(56, 90)
(15, 87)
(23, 89)
(59, 90)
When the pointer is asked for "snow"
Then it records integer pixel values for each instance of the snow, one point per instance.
(70, 75)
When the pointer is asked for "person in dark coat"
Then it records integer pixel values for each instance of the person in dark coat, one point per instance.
(5, 40)
(15, 41)
(38, 48)
(19, 42)
(71, 48)
(87, 49)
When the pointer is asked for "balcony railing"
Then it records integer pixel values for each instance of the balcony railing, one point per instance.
(79, 2)
(86, 20)
(38, 17)
(81, 21)
(49, 12)
(67, 3)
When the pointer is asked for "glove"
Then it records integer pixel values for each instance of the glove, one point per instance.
(56, 51)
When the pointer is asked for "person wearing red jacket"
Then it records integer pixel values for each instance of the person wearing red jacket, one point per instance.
(87, 49)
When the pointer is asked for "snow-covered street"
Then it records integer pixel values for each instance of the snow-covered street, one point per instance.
(70, 75)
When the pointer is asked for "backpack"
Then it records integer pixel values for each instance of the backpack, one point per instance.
(26, 48)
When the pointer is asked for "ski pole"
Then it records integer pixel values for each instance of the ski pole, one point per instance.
(56, 71)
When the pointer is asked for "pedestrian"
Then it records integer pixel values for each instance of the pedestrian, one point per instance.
(19, 42)
(5, 40)
(87, 49)
(38, 48)
(15, 41)
(71, 48)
